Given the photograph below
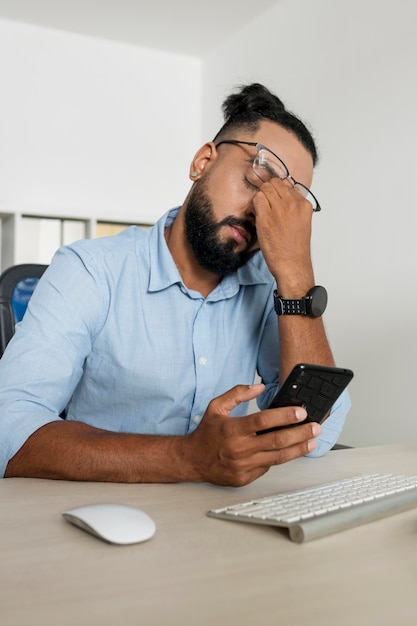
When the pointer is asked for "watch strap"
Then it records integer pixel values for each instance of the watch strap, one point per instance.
(285, 306)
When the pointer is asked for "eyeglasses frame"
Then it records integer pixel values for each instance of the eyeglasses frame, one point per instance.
(260, 146)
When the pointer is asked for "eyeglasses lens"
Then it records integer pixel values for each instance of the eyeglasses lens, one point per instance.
(266, 167)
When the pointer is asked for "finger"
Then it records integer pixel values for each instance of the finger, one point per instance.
(278, 193)
(270, 418)
(260, 203)
(228, 401)
(269, 202)
(288, 437)
(276, 440)
(275, 189)
(283, 455)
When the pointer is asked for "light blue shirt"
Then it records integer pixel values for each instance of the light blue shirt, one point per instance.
(113, 337)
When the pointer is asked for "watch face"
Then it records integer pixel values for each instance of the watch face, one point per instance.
(318, 301)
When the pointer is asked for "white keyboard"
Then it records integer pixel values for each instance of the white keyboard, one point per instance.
(328, 508)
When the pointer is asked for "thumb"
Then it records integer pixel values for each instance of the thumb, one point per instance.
(229, 400)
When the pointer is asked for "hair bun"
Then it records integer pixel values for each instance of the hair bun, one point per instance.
(250, 98)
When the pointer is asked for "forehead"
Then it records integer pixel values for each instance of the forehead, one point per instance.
(285, 145)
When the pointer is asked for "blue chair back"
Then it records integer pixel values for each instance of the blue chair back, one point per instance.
(21, 296)
(17, 285)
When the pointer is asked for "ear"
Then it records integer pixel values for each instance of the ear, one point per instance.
(203, 160)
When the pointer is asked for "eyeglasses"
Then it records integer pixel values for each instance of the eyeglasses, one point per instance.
(268, 165)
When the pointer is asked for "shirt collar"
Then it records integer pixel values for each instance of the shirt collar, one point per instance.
(164, 272)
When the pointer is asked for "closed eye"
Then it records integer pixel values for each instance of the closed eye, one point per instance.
(250, 185)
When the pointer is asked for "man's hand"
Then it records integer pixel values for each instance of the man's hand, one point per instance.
(227, 451)
(283, 226)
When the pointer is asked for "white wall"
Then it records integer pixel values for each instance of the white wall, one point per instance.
(349, 69)
(94, 128)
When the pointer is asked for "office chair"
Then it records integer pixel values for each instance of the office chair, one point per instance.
(17, 284)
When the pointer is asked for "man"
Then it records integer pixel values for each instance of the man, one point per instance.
(136, 359)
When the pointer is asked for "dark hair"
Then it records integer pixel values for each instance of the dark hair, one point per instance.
(253, 103)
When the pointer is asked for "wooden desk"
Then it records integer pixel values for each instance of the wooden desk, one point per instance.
(197, 570)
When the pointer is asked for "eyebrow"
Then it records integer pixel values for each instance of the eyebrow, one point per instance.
(268, 168)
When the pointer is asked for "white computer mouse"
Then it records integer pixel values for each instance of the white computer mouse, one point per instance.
(115, 523)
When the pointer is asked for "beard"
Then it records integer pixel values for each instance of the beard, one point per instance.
(202, 232)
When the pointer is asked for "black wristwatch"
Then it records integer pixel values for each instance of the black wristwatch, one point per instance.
(313, 304)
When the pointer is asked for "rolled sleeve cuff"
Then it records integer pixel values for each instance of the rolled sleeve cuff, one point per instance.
(332, 427)
(14, 434)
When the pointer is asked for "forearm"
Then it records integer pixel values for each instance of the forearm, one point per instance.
(302, 340)
(74, 451)
(283, 223)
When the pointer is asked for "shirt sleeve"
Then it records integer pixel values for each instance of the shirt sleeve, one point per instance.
(43, 362)
(332, 427)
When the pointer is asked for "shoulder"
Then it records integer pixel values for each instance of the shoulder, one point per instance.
(106, 254)
(119, 245)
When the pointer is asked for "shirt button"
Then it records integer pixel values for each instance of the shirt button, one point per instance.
(196, 419)
(202, 360)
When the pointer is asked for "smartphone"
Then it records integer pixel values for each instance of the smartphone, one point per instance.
(314, 387)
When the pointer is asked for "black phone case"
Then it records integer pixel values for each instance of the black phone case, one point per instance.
(314, 387)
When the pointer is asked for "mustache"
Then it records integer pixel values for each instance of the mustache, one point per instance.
(245, 224)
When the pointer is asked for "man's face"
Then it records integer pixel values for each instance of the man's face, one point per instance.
(219, 218)
(214, 252)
